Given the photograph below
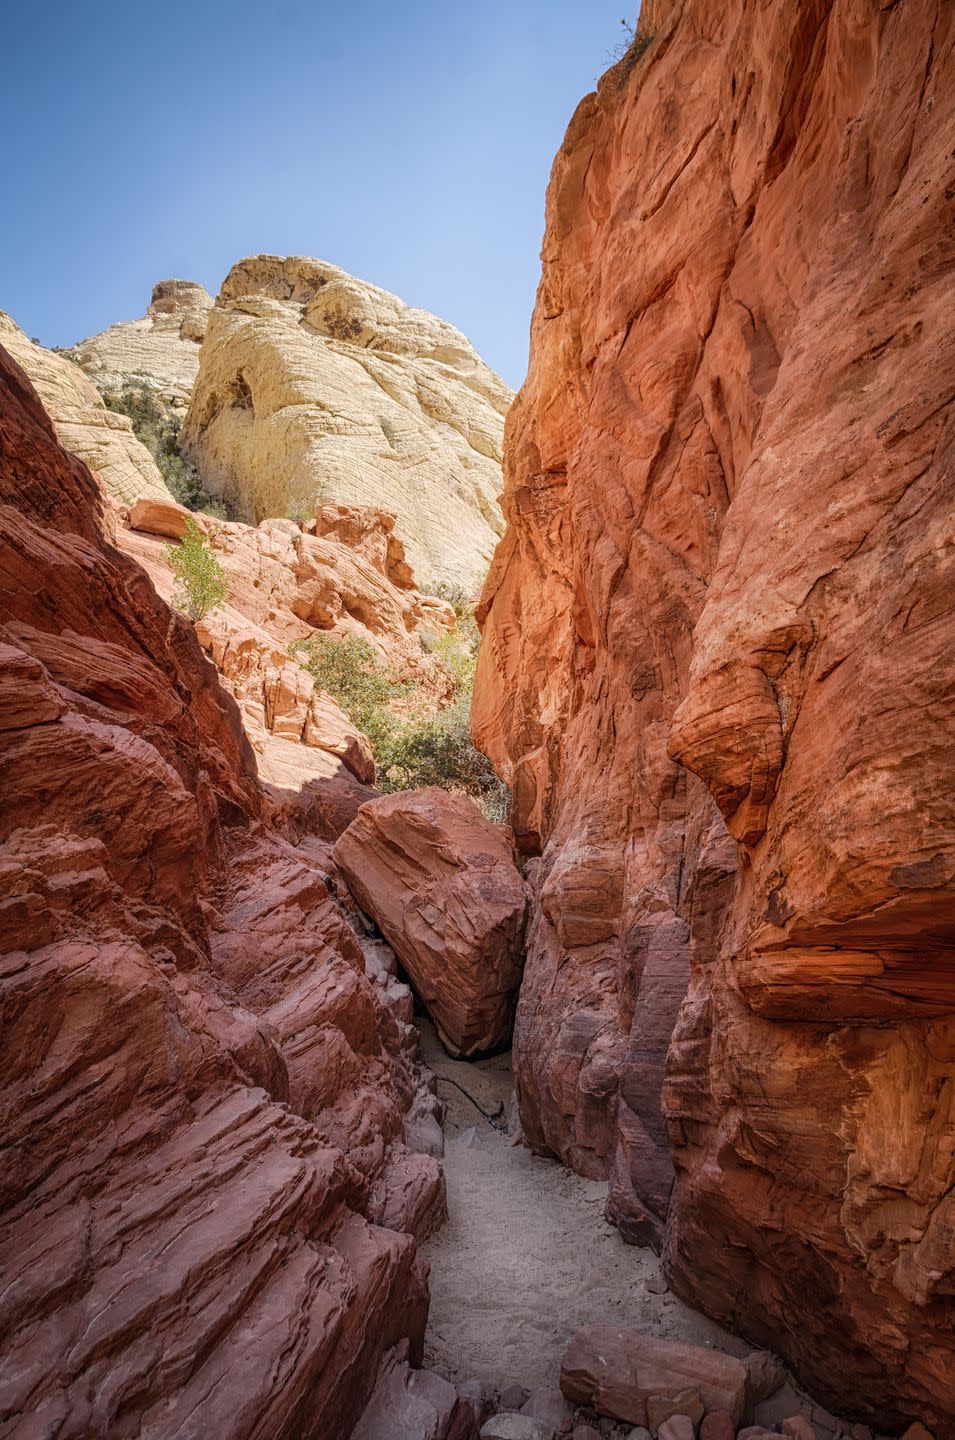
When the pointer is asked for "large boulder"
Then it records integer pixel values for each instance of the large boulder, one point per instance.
(315, 386)
(440, 882)
(618, 1371)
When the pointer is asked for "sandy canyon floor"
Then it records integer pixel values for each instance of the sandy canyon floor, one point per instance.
(526, 1257)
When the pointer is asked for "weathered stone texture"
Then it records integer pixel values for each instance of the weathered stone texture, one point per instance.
(717, 671)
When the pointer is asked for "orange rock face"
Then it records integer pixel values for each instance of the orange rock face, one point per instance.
(441, 883)
(717, 672)
(208, 1207)
(344, 574)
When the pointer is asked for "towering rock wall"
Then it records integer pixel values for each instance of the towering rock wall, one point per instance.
(315, 387)
(717, 672)
(208, 1207)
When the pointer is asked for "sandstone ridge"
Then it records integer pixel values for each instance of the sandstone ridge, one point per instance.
(210, 1200)
(102, 439)
(161, 350)
(316, 387)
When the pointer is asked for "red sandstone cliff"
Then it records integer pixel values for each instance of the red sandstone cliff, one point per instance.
(208, 1208)
(717, 671)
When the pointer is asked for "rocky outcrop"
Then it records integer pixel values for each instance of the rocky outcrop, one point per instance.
(209, 1209)
(344, 574)
(84, 426)
(714, 671)
(160, 351)
(440, 882)
(316, 387)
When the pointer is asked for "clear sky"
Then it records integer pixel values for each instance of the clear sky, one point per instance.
(409, 143)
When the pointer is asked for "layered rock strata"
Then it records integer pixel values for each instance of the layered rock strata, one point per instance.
(716, 672)
(209, 1209)
(440, 882)
(160, 351)
(342, 573)
(101, 438)
(316, 387)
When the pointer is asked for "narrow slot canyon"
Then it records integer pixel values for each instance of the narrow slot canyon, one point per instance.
(526, 1258)
(477, 866)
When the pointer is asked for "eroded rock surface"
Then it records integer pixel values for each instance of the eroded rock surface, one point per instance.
(440, 882)
(161, 350)
(315, 386)
(717, 673)
(344, 573)
(84, 426)
(208, 1207)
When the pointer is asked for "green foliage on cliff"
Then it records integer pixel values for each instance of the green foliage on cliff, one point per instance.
(201, 584)
(157, 426)
(420, 746)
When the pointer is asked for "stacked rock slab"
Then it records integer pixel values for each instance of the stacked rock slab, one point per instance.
(161, 350)
(717, 669)
(316, 387)
(208, 1208)
(101, 438)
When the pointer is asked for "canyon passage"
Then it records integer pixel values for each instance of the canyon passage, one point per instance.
(596, 1078)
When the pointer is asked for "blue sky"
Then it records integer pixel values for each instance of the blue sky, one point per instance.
(409, 143)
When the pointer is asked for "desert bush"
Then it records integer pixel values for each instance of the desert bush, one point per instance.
(457, 597)
(347, 667)
(634, 44)
(157, 426)
(201, 584)
(439, 751)
(418, 747)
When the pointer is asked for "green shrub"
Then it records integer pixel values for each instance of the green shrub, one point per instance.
(457, 597)
(439, 751)
(300, 513)
(200, 579)
(157, 426)
(425, 748)
(457, 652)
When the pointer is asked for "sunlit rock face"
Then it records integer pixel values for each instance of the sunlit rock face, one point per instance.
(341, 573)
(717, 668)
(160, 350)
(102, 439)
(209, 1210)
(316, 387)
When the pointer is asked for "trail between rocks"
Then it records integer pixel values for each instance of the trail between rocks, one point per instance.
(526, 1257)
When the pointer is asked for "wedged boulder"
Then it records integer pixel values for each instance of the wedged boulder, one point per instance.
(617, 1371)
(441, 884)
(162, 517)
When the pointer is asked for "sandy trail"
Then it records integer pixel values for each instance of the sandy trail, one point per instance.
(526, 1257)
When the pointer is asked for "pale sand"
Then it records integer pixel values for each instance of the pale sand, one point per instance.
(526, 1257)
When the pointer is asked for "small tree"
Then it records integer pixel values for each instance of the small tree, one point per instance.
(200, 579)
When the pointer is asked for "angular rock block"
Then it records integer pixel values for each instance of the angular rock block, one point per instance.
(618, 1371)
(440, 882)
